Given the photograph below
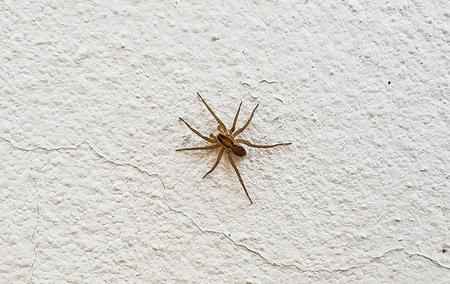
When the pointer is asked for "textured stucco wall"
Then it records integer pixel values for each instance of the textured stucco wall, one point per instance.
(91, 190)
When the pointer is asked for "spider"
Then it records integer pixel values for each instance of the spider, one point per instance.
(227, 141)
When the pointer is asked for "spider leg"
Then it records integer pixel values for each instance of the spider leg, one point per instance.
(247, 123)
(219, 157)
(197, 132)
(230, 158)
(221, 125)
(235, 118)
(248, 143)
(199, 148)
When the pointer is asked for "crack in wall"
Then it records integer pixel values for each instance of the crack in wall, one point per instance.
(296, 267)
(38, 216)
(217, 233)
(125, 164)
(268, 82)
(97, 153)
(45, 149)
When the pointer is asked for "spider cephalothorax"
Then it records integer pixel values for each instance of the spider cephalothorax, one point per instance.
(226, 140)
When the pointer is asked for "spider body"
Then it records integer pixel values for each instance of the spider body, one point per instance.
(227, 141)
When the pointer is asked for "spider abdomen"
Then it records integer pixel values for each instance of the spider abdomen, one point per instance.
(238, 150)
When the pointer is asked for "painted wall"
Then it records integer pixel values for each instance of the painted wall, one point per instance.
(92, 190)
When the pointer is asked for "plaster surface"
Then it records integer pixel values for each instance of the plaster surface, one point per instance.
(92, 191)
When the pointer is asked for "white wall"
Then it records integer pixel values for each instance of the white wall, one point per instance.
(92, 190)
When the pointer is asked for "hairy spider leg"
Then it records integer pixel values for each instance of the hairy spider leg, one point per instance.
(197, 132)
(199, 148)
(246, 124)
(221, 125)
(248, 143)
(219, 157)
(230, 158)
(236, 119)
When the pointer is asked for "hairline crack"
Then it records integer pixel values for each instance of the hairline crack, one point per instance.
(258, 254)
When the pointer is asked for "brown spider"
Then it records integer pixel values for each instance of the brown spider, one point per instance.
(226, 139)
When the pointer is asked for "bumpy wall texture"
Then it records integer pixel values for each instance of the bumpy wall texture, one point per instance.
(92, 190)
